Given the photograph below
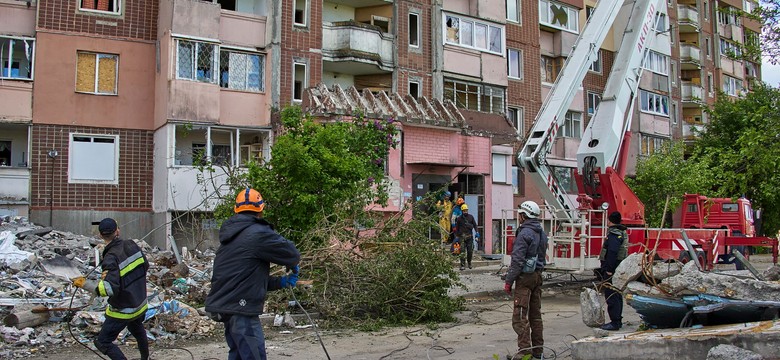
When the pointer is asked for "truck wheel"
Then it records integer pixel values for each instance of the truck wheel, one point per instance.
(685, 257)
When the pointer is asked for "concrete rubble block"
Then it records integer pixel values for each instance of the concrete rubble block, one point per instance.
(693, 280)
(636, 287)
(629, 270)
(772, 274)
(592, 307)
(680, 344)
(663, 270)
(731, 352)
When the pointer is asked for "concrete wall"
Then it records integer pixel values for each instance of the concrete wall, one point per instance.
(18, 19)
(132, 224)
(242, 29)
(17, 100)
(195, 18)
(244, 108)
(57, 102)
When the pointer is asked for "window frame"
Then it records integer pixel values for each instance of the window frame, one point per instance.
(194, 58)
(518, 117)
(555, 64)
(658, 103)
(10, 60)
(478, 90)
(597, 65)
(519, 64)
(473, 41)
(545, 15)
(592, 97)
(656, 62)
(305, 10)
(732, 86)
(661, 23)
(649, 144)
(517, 12)
(417, 82)
(499, 163)
(261, 70)
(304, 83)
(97, 73)
(417, 32)
(73, 168)
(118, 3)
(567, 130)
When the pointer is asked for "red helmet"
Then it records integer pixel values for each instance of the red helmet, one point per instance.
(249, 200)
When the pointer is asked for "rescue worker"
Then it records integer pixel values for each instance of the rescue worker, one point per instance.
(241, 275)
(613, 251)
(124, 282)
(445, 213)
(525, 271)
(465, 225)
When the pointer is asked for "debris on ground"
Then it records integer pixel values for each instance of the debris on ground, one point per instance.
(39, 306)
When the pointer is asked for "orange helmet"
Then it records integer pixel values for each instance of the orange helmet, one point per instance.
(249, 200)
(459, 201)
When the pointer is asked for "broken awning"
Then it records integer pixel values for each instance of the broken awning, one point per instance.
(428, 163)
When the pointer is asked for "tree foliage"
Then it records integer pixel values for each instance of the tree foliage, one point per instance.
(667, 172)
(367, 268)
(741, 142)
(768, 14)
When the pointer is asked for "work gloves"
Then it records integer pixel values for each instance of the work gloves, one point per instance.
(82, 282)
(508, 288)
(289, 281)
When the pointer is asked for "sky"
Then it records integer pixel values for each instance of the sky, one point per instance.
(770, 74)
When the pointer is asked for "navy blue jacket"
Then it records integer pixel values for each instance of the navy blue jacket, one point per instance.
(530, 241)
(240, 278)
(611, 250)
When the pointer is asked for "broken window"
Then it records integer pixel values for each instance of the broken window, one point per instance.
(111, 6)
(414, 88)
(97, 73)
(196, 61)
(229, 146)
(474, 96)
(93, 159)
(241, 71)
(558, 16)
(16, 58)
(5, 153)
(300, 82)
(299, 12)
(550, 68)
(414, 29)
(474, 34)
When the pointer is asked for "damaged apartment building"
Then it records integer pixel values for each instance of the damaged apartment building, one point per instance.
(108, 105)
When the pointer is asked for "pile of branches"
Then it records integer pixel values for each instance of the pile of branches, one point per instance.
(387, 274)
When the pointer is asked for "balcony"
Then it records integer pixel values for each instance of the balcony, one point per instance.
(244, 29)
(690, 57)
(14, 168)
(688, 18)
(692, 94)
(350, 47)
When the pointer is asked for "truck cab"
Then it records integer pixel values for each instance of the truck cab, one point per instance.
(701, 212)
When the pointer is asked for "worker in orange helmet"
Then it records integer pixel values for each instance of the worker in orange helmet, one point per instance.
(241, 275)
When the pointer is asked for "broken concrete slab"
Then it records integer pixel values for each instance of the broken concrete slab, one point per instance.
(771, 274)
(61, 266)
(731, 352)
(663, 270)
(636, 287)
(692, 280)
(680, 344)
(37, 232)
(592, 307)
(629, 270)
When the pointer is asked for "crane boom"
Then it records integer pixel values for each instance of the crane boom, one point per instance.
(636, 37)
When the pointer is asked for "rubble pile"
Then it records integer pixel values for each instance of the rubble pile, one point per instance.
(671, 294)
(36, 265)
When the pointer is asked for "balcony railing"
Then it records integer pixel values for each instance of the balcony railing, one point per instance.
(691, 92)
(688, 18)
(353, 41)
(690, 53)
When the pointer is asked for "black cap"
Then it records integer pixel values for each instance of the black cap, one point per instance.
(107, 226)
(615, 217)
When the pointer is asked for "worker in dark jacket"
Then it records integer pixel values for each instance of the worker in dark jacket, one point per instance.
(525, 270)
(465, 226)
(613, 251)
(241, 275)
(124, 282)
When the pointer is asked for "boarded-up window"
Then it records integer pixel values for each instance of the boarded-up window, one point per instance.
(93, 159)
(97, 73)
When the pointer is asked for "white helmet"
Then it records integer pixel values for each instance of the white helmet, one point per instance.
(530, 209)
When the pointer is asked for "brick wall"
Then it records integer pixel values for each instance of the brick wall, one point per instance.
(428, 145)
(134, 191)
(526, 93)
(138, 19)
(296, 44)
(414, 63)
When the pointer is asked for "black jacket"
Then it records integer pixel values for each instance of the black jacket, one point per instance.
(124, 266)
(465, 224)
(240, 279)
(614, 249)
(530, 241)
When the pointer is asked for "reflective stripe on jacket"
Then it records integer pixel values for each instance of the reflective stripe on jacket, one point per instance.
(124, 282)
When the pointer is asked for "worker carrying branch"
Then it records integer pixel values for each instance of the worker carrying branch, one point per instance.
(241, 275)
(124, 282)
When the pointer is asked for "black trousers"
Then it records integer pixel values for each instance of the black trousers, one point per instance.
(614, 305)
(111, 329)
